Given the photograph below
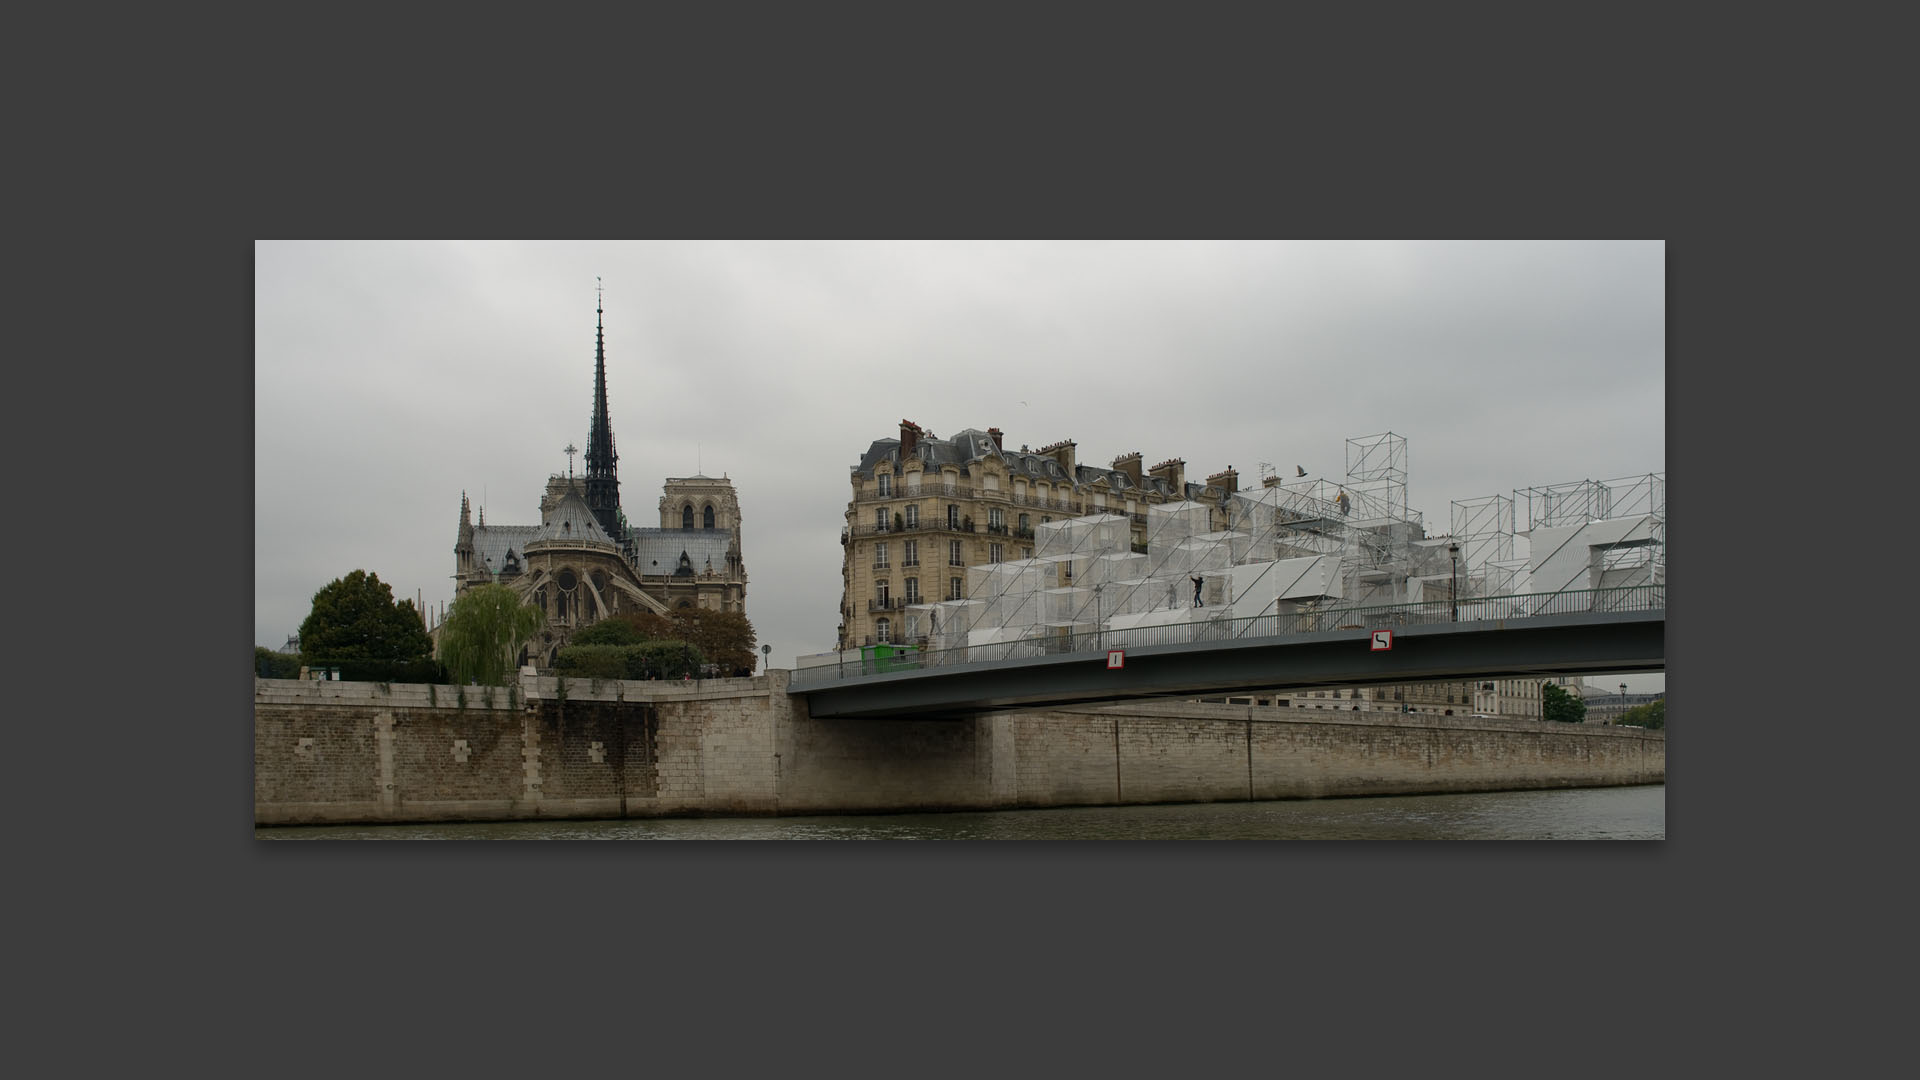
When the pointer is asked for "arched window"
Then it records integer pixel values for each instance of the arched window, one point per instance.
(686, 517)
(709, 518)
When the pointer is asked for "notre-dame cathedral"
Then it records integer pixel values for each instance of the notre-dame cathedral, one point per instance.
(584, 561)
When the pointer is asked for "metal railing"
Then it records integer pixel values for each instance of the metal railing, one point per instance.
(1064, 641)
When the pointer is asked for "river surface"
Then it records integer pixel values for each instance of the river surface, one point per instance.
(1613, 813)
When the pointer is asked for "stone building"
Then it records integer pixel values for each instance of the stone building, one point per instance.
(923, 509)
(584, 560)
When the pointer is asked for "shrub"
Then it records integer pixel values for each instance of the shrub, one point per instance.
(268, 664)
(646, 660)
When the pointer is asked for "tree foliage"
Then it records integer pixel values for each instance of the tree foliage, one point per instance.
(485, 627)
(355, 618)
(1560, 706)
(1651, 715)
(671, 659)
(268, 664)
(725, 638)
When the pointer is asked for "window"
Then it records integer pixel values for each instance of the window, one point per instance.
(953, 588)
(913, 590)
(880, 554)
(709, 517)
(886, 485)
(880, 520)
(686, 517)
(993, 552)
(913, 516)
(953, 516)
(912, 556)
(996, 519)
(1099, 501)
(1026, 523)
(881, 589)
(883, 631)
(953, 553)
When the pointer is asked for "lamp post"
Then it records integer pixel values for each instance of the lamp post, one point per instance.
(1623, 702)
(1453, 581)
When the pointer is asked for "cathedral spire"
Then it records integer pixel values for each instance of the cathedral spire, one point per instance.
(603, 484)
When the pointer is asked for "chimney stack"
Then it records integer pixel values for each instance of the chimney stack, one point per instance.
(1227, 481)
(998, 443)
(909, 438)
(1061, 452)
(1174, 472)
(1129, 463)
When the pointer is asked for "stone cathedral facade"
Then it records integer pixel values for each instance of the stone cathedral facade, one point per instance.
(584, 560)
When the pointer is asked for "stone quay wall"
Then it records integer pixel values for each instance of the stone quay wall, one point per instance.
(342, 752)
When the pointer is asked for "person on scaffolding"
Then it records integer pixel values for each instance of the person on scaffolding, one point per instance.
(1342, 500)
(1197, 582)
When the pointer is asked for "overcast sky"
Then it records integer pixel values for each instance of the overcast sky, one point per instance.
(390, 377)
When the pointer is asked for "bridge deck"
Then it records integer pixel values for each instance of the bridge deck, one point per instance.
(1543, 645)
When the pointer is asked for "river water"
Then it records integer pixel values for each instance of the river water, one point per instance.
(1614, 813)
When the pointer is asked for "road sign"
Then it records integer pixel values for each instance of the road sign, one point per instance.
(1382, 640)
(1116, 658)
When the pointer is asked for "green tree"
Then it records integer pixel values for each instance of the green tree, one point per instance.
(484, 629)
(725, 638)
(1559, 705)
(275, 665)
(1651, 715)
(355, 618)
(612, 630)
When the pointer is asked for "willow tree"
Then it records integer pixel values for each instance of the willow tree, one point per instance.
(483, 630)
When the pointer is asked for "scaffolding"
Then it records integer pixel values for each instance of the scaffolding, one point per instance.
(1293, 551)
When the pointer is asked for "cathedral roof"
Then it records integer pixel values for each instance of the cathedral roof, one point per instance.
(492, 542)
(571, 522)
(657, 551)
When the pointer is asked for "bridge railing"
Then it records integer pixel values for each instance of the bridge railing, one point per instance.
(1205, 627)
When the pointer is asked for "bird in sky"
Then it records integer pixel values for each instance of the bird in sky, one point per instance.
(1298, 471)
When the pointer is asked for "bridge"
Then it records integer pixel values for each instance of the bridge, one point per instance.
(1567, 633)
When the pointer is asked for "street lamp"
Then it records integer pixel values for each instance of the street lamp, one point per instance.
(1453, 578)
(1623, 701)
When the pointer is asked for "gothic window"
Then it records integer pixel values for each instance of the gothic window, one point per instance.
(709, 518)
(686, 517)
